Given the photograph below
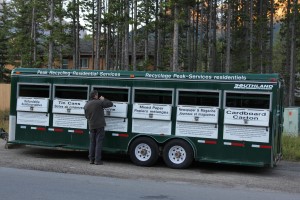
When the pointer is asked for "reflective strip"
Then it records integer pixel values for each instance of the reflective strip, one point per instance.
(38, 128)
(265, 147)
(23, 127)
(56, 129)
(261, 146)
(207, 141)
(210, 142)
(120, 135)
(76, 131)
(234, 144)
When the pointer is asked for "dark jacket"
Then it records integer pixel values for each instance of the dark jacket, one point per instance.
(94, 112)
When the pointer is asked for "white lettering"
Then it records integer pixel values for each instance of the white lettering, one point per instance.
(253, 86)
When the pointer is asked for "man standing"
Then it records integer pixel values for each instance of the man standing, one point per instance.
(94, 113)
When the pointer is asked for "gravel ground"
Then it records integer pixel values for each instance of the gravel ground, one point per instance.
(283, 178)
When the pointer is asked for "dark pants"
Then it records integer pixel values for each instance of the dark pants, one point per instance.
(96, 140)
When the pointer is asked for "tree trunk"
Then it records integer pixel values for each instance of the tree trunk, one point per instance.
(159, 39)
(251, 38)
(214, 39)
(293, 56)
(228, 38)
(33, 32)
(93, 35)
(270, 68)
(196, 36)
(51, 43)
(199, 66)
(77, 36)
(175, 40)
(188, 40)
(108, 42)
(146, 40)
(261, 36)
(108, 48)
(126, 37)
(134, 36)
(98, 34)
(210, 35)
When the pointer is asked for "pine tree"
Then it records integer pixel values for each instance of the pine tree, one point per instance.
(4, 72)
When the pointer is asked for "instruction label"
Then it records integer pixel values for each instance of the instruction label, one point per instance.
(190, 129)
(251, 117)
(116, 124)
(69, 121)
(119, 109)
(32, 118)
(158, 127)
(151, 111)
(69, 106)
(32, 104)
(197, 114)
(246, 133)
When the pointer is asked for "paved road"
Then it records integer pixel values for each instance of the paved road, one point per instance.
(283, 178)
(36, 185)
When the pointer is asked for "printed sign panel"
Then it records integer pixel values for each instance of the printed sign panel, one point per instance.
(32, 118)
(200, 130)
(246, 133)
(32, 104)
(197, 114)
(69, 121)
(246, 117)
(68, 106)
(151, 111)
(119, 109)
(157, 127)
(116, 124)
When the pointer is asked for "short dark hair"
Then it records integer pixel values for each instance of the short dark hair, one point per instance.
(93, 94)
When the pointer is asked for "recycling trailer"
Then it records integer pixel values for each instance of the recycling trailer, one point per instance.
(220, 118)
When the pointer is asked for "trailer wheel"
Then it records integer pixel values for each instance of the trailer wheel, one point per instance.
(178, 154)
(144, 152)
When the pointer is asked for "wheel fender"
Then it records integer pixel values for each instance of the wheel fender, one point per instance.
(138, 136)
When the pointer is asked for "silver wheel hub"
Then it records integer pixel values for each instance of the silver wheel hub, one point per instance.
(177, 154)
(143, 152)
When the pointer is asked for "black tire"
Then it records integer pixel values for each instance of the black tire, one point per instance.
(178, 154)
(144, 151)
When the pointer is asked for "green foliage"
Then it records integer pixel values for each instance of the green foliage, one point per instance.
(4, 73)
(27, 31)
(206, 18)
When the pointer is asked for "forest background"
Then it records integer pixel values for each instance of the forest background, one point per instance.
(230, 36)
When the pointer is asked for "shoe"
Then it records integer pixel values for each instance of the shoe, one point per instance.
(99, 163)
(92, 162)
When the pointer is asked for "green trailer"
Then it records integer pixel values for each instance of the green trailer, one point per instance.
(179, 116)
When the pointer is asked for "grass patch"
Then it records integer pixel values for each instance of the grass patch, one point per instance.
(291, 148)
